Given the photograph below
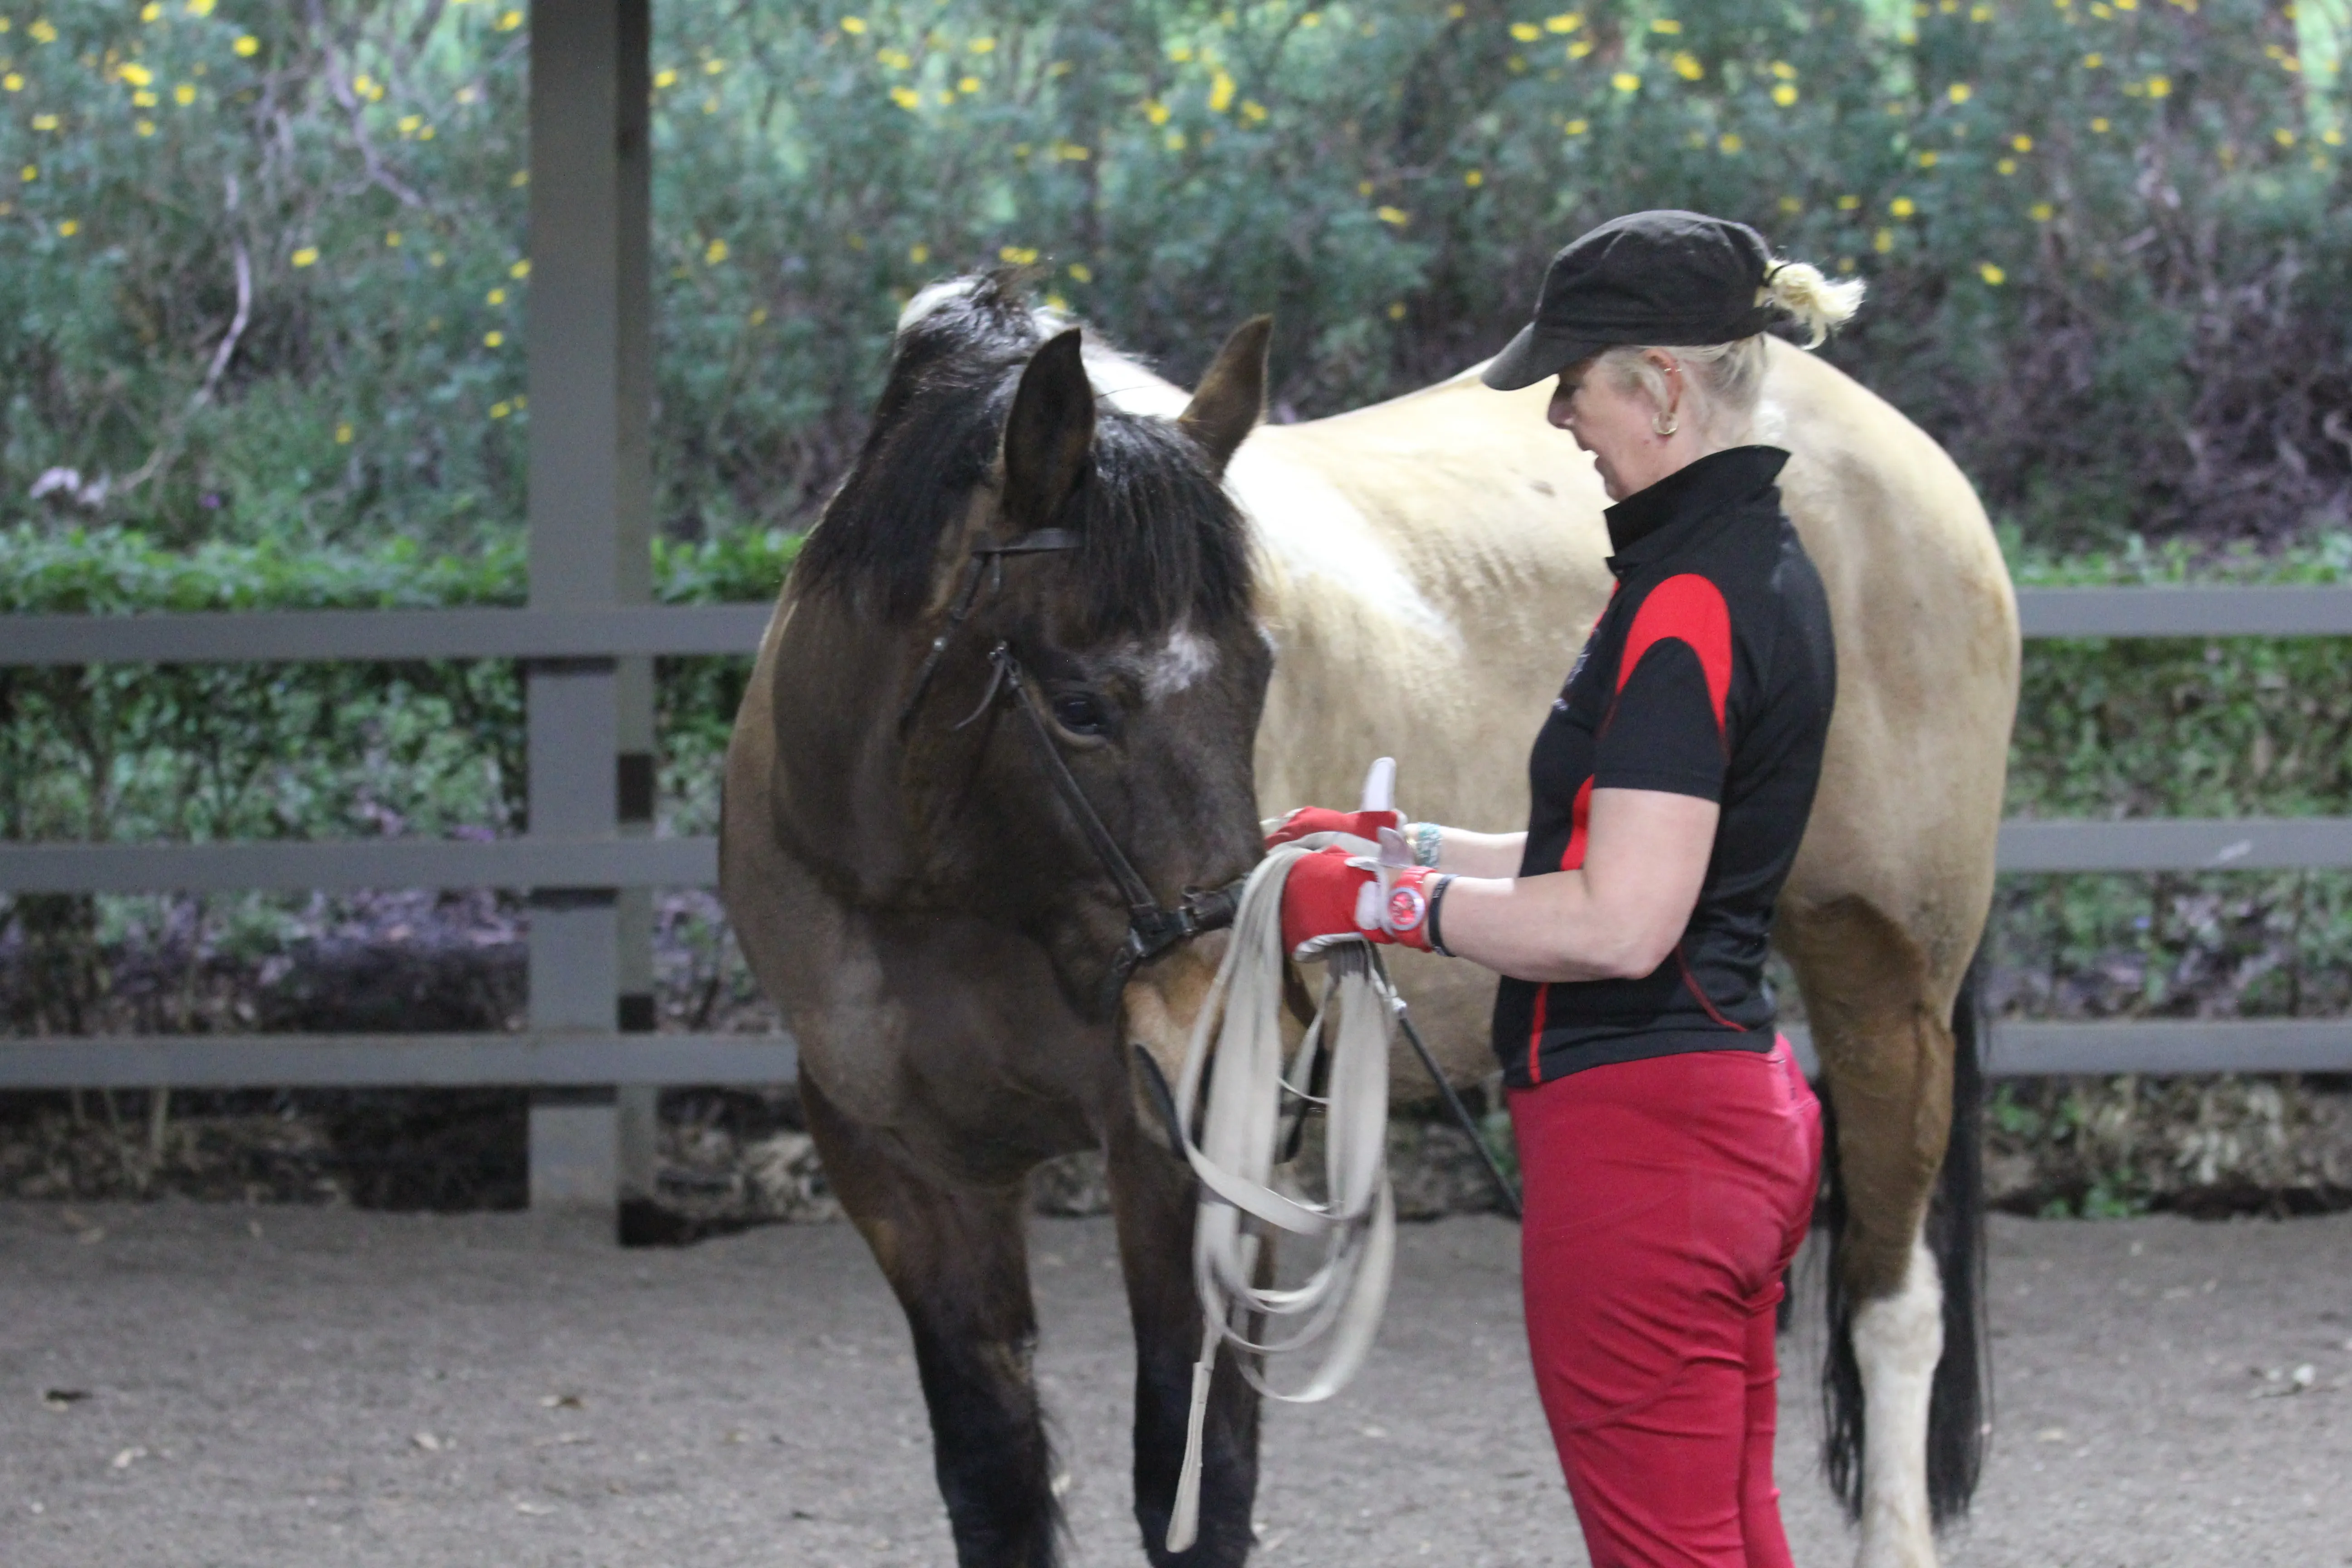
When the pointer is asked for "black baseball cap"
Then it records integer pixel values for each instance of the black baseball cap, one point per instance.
(1662, 277)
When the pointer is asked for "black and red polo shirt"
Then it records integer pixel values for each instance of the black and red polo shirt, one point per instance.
(1710, 673)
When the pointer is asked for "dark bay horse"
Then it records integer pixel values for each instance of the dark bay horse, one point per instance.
(1059, 604)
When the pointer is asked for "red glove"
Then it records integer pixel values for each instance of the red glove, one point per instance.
(1332, 896)
(1310, 819)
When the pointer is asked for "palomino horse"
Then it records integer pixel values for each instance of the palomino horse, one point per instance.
(1000, 732)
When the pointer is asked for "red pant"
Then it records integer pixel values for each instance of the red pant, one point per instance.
(1665, 1200)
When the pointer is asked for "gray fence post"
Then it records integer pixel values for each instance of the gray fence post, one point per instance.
(590, 351)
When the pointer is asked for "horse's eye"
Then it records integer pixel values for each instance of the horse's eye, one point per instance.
(1081, 713)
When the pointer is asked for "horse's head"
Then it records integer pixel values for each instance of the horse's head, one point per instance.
(913, 780)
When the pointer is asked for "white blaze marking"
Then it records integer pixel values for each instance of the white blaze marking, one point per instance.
(1897, 1341)
(1185, 657)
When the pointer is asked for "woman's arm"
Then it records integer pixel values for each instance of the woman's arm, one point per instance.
(1479, 854)
(1616, 917)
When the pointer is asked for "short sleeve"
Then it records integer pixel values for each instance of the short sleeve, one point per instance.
(1665, 729)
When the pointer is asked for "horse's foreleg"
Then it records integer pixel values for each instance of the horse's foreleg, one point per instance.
(958, 1258)
(1887, 1058)
(1153, 1196)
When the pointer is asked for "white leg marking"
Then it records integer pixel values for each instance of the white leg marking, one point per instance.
(1897, 1341)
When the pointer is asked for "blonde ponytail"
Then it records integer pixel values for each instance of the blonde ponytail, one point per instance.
(1818, 305)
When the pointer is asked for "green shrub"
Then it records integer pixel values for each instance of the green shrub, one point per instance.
(2107, 237)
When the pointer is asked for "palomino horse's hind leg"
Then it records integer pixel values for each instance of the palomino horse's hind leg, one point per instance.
(1153, 1195)
(1886, 1057)
(958, 1258)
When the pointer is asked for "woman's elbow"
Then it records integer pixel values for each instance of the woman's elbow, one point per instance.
(1620, 954)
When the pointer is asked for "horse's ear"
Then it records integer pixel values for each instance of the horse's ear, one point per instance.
(1232, 396)
(1049, 434)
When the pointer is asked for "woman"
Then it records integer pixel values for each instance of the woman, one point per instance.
(1668, 1143)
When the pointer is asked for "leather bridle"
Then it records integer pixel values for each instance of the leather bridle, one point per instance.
(1152, 927)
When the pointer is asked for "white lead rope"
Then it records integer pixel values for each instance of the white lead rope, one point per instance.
(1241, 1130)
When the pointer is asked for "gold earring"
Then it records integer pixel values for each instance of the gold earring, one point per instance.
(1665, 424)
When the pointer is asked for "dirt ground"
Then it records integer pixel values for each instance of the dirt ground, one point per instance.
(200, 1384)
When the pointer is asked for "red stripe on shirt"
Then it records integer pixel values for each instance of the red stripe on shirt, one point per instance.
(1689, 609)
(1571, 859)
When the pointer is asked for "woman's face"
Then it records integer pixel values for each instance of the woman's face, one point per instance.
(1619, 425)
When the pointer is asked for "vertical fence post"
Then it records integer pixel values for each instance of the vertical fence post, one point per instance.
(590, 352)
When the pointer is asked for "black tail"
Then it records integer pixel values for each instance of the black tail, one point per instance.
(1961, 1403)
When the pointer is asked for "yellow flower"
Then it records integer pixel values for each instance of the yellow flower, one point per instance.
(12, 82)
(759, 314)
(664, 77)
(1687, 66)
(918, 254)
(1396, 215)
(1927, 159)
(1221, 92)
(495, 296)
(520, 178)
(134, 73)
(144, 98)
(1784, 70)
(31, 171)
(1960, 92)
(1311, 19)
(43, 32)
(150, 11)
(1991, 274)
(1729, 142)
(1017, 255)
(2023, 143)
(411, 123)
(1665, 25)
(968, 84)
(1792, 204)
(1882, 241)
(2094, 60)
(981, 45)
(897, 59)
(184, 94)
(1847, 204)
(1253, 113)
(1979, 12)
(2332, 136)
(714, 253)
(1526, 32)
(1566, 22)
(1474, 178)
(1577, 127)
(2100, 125)
(500, 410)
(306, 256)
(44, 122)
(710, 104)
(1155, 112)
(1902, 207)
(521, 268)
(2160, 87)
(509, 21)
(69, 228)
(144, 127)
(852, 25)
(1396, 310)
(364, 85)
(1784, 93)
(392, 239)
(343, 434)
(2283, 136)
(1580, 49)
(2006, 166)
(199, 7)
(1626, 81)
(491, 339)
(1180, 53)
(1175, 140)
(2043, 212)
(906, 98)
(1080, 272)
(712, 68)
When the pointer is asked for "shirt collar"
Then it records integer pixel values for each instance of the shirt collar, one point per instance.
(1650, 523)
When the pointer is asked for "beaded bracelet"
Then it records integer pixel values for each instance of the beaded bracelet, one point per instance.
(1428, 842)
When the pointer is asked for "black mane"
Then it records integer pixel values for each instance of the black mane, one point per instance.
(1160, 538)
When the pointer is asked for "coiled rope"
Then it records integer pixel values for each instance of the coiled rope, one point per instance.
(1241, 1130)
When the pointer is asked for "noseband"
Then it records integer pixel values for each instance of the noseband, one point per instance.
(1152, 927)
